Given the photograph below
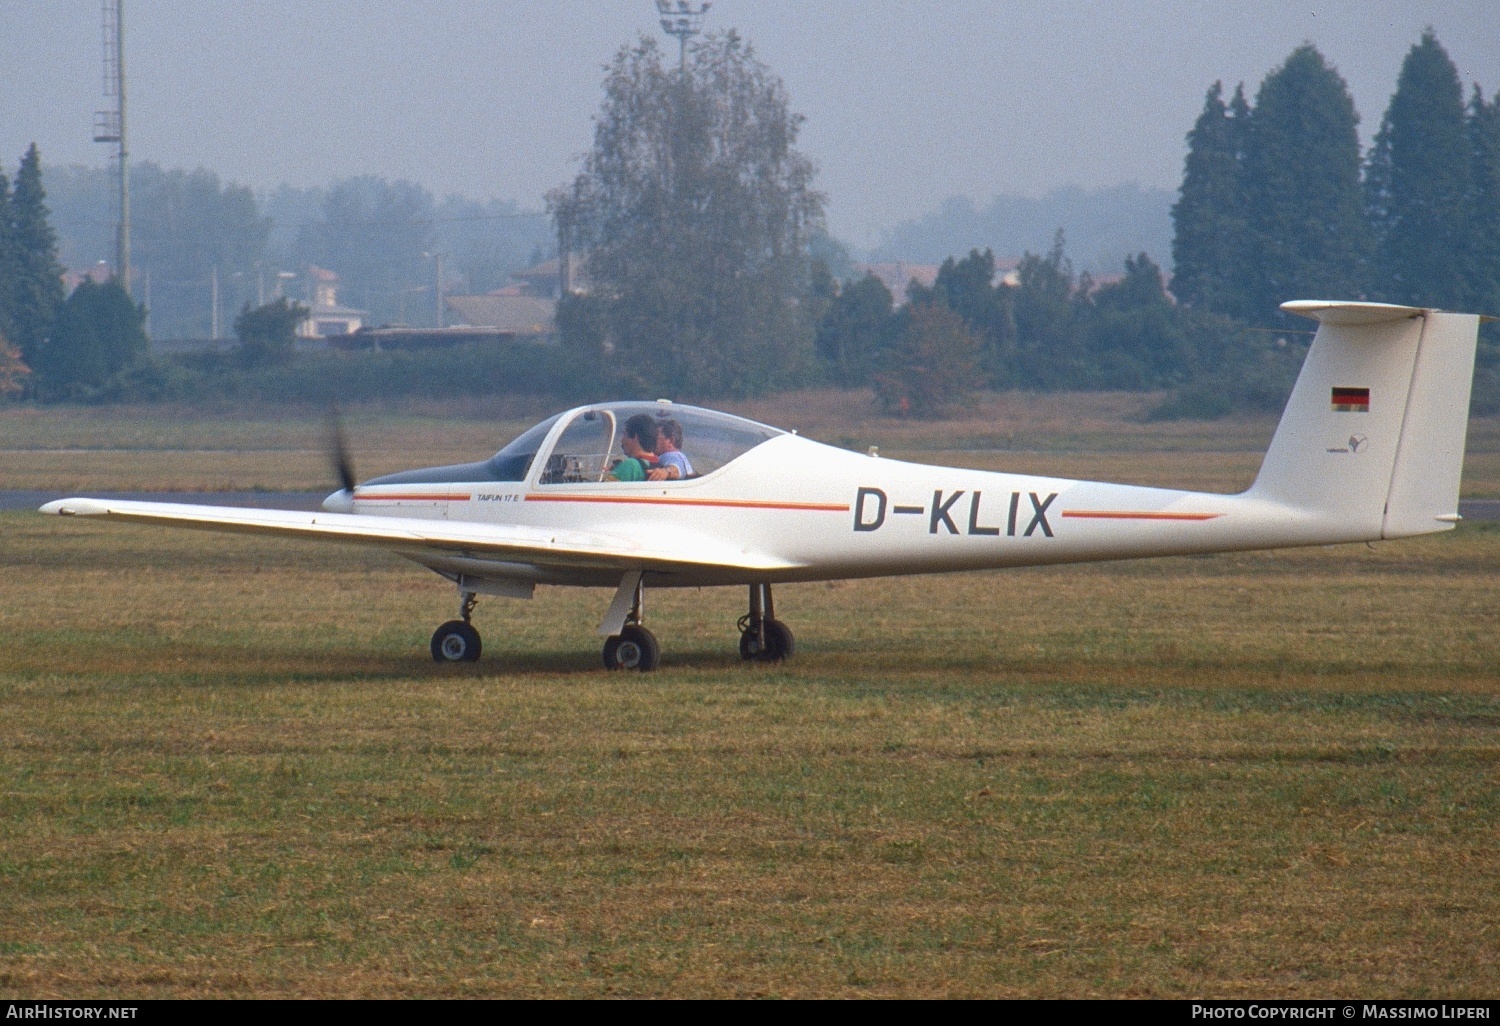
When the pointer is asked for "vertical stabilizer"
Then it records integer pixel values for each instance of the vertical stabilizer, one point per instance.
(1335, 449)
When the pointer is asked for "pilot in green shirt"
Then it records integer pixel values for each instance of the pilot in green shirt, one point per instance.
(629, 469)
(638, 442)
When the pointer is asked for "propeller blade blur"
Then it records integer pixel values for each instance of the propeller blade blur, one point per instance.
(338, 446)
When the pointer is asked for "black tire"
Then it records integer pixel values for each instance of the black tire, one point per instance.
(455, 642)
(779, 644)
(634, 648)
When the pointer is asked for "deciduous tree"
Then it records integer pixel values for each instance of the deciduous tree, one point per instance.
(1048, 354)
(97, 334)
(931, 367)
(854, 334)
(13, 370)
(968, 288)
(187, 226)
(696, 210)
(268, 333)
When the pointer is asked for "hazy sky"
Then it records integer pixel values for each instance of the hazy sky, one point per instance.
(906, 102)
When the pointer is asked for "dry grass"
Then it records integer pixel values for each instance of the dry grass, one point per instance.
(1100, 437)
(230, 769)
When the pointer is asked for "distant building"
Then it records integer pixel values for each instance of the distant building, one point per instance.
(545, 279)
(327, 317)
(520, 316)
(523, 309)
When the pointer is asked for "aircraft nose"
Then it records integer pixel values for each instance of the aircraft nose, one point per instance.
(341, 501)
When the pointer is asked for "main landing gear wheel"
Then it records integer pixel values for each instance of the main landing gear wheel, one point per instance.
(778, 643)
(763, 638)
(455, 642)
(634, 648)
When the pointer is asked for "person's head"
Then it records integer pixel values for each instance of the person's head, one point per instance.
(640, 436)
(668, 435)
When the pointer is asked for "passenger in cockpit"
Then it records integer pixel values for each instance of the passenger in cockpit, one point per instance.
(638, 443)
(669, 455)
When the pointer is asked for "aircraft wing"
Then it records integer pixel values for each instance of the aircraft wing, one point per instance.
(544, 546)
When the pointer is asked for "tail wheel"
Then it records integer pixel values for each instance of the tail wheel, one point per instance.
(455, 642)
(778, 645)
(634, 648)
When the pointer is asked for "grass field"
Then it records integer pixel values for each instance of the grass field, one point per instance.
(230, 768)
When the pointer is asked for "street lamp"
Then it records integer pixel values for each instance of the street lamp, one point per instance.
(684, 20)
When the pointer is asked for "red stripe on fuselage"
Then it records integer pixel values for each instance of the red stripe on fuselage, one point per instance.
(1098, 514)
(412, 498)
(647, 500)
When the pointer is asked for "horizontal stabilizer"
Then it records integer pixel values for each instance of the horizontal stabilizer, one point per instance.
(1330, 312)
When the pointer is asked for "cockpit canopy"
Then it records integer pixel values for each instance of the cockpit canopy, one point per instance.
(590, 444)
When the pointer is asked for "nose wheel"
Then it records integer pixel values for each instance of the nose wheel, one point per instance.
(457, 641)
(763, 638)
(634, 648)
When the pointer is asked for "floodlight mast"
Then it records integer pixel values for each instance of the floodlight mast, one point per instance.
(109, 125)
(684, 20)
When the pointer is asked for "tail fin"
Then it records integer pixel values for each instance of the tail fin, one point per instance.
(1373, 434)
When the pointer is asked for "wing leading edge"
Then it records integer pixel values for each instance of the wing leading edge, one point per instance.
(543, 546)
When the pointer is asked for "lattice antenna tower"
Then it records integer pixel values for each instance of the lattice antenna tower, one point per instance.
(683, 19)
(109, 124)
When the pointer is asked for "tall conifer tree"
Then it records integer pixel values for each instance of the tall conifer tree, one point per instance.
(37, 290)
(1483, 256)
(1417, 184)
(1209, 216)
(9, 267)
(1307, 236)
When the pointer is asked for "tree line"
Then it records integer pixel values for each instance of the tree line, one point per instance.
(191, 229)
(709, 272)
(1278, 202)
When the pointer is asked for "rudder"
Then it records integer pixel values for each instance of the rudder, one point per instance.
(1423, 496)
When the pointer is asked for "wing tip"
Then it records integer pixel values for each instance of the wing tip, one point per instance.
(70, 508)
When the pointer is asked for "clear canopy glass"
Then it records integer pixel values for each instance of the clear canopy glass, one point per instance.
(590, 444)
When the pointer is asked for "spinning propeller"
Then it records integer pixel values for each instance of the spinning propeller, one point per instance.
(338, 451)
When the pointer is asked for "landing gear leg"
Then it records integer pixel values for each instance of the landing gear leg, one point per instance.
(764, 638)
(457, 641)
(634, 648)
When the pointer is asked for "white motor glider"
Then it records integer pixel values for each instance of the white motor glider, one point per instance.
(1370, 446)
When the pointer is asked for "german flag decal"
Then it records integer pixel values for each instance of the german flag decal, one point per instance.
(1351, 400)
